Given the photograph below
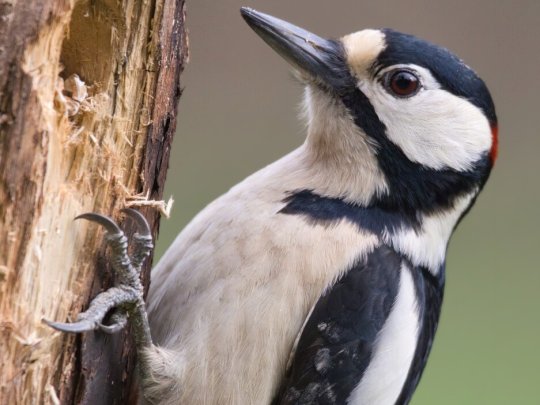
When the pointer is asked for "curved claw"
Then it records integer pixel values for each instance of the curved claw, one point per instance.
(76, 327)
(142, 224)
(104, 221)
(119, 322)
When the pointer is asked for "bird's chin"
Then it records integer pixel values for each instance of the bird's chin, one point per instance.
(320, 107)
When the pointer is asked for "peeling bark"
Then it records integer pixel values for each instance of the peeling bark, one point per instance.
(88, 96)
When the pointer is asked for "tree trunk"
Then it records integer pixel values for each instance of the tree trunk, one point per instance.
(88, 95)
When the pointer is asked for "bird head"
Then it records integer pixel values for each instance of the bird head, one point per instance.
(424, 118)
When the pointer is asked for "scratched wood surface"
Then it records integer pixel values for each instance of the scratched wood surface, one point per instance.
(88, 97)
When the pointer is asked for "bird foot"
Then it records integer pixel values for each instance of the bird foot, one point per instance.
(125, 299)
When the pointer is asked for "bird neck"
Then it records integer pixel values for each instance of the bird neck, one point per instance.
(339, 156)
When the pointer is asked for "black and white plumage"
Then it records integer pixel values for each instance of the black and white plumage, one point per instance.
(319, 279)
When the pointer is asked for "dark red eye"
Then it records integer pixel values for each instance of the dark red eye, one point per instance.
(403, 83)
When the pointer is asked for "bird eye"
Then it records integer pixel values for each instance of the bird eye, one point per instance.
(402, 83)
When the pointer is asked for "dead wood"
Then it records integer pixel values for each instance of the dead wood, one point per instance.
(88, 96)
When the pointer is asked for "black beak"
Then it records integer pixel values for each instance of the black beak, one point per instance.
(320, 58)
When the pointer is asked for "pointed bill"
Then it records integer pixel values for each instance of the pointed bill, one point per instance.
(320, 58)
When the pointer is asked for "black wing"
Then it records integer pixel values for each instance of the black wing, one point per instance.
(337, 341)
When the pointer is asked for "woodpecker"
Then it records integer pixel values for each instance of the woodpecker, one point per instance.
(319, 279)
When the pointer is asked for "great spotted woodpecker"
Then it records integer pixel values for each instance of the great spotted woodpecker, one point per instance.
(319, 279)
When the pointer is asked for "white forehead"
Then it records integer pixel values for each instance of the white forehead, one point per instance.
(362, 49)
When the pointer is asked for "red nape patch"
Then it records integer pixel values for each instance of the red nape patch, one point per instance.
(494, 152)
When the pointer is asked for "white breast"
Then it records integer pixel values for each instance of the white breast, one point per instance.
(229, 297)
(383, 380)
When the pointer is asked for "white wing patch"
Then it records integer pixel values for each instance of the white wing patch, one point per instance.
(387, 372)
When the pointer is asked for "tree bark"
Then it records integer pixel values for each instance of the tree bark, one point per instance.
(88, 96)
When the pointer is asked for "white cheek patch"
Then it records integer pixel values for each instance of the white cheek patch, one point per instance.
(434, 127)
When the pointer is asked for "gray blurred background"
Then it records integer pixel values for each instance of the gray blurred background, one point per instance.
(239, 113)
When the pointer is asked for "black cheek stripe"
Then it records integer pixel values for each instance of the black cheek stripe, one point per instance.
(412, 187)
(328, 211)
